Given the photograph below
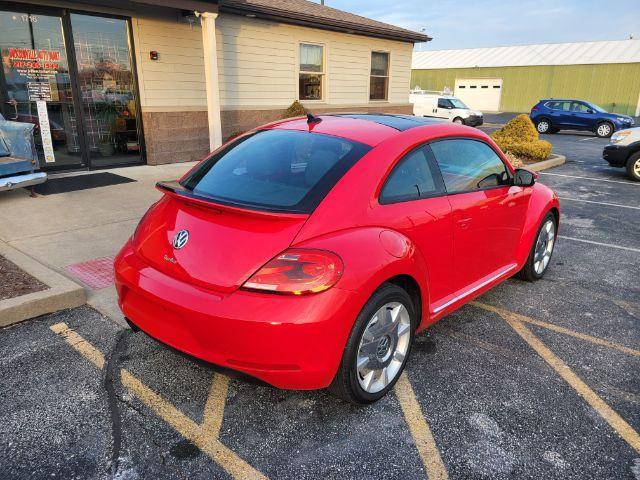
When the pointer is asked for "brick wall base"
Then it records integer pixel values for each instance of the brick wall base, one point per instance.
(172, 137)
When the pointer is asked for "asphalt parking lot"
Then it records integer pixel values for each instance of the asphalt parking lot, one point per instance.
(531, 381)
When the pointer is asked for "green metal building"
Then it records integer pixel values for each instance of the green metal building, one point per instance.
(513, 79)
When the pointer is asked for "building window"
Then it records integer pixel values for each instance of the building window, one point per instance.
(379, 82)
(311, 72)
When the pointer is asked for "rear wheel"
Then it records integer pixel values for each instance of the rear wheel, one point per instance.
(633, 167)
(604, 130)
(377, 348)
(543, 126)
(541, 251)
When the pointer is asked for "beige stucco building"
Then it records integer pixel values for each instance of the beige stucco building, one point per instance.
(200, 71)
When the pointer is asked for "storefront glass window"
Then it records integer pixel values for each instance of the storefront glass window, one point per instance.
(35, 85)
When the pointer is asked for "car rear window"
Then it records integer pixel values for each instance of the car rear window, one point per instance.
(275, 170)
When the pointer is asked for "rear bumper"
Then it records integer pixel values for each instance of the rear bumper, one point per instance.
(616, 155)
(21, 181)
(292, 342)
(473, 121)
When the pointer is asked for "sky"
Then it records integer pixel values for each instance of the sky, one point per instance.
(491, 23)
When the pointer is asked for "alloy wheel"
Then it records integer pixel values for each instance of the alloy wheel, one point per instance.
(383, 347)
(543, 126)
(636, 168)
(544, 247)
(604, 130)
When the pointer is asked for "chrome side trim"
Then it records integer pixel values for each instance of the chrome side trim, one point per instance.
(474, 289)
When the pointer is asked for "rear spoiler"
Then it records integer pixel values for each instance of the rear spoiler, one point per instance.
(176, 190)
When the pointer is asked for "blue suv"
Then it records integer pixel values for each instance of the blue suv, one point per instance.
(552, 115)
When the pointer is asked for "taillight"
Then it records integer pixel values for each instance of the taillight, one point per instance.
(298, 271)
(534, 109)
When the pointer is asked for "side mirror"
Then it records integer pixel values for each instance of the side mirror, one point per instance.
(524, 178)
(590, 111)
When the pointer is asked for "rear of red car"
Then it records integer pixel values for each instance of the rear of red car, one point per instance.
(210, 270)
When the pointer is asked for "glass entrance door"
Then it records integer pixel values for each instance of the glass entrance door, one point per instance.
(107, 89)
(80, 93)
(37, 85)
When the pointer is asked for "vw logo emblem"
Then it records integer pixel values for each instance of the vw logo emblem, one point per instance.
(180, 240)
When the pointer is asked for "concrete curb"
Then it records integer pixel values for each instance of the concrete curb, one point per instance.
(63, 293)
(553, 161)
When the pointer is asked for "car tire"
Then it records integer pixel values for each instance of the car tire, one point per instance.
(605, 129)
(539, 257)
(544, 125)
(389, 348)
(633, 167)
(458, 120)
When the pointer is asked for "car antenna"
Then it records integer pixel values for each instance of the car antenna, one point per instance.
(312, 119)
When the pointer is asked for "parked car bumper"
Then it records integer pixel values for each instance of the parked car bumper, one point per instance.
(292, 342)
(616, 155)
(21, 181)
(473, 120)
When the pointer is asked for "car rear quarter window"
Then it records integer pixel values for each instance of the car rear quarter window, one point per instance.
(467, 165)
(276, 170)
(414, 177)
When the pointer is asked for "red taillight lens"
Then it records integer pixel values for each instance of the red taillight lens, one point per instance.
(298, 271)
(534, 109)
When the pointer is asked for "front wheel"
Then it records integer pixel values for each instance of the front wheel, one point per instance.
(457, 120)
(377, 348)
(541, 251)
(633, 167)
(604, 130)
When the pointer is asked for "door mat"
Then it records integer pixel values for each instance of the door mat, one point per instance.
(80, 182)
(96, 273)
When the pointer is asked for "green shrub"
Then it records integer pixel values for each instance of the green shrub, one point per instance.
(519, 137)
(517, 130)
(295, 110)
(538, 150)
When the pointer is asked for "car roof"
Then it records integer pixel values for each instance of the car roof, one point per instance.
(367, 128)
(563, 100)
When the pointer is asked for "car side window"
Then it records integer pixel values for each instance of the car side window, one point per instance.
(468, 165)
(415, 176)
(444, 103)
(579, 107)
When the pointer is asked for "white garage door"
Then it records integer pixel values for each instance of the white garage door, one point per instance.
(480, 93)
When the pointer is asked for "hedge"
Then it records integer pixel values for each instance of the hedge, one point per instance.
(520, 138)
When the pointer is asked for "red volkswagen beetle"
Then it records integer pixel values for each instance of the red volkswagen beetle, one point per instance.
(309, 252)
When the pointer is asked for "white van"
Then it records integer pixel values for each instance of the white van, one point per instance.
(429, 104)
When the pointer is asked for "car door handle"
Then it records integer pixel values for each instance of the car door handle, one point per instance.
(464, 222)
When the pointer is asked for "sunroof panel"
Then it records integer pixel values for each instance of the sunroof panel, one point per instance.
(398, 122)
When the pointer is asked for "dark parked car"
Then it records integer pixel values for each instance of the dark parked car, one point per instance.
(552, 115)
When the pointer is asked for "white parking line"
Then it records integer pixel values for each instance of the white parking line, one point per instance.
(591, 178)
(585, 139)
(620, 247)
(599, 203)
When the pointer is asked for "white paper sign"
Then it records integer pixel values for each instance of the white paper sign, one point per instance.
(45, 131)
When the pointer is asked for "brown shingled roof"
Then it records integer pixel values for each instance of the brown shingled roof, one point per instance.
(303, 12)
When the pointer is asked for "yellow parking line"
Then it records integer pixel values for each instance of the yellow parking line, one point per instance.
(91, 353)
(204, 436)
(625, 430)
(556, 328)
(195, 433)
(214, 408)
(420, 431)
